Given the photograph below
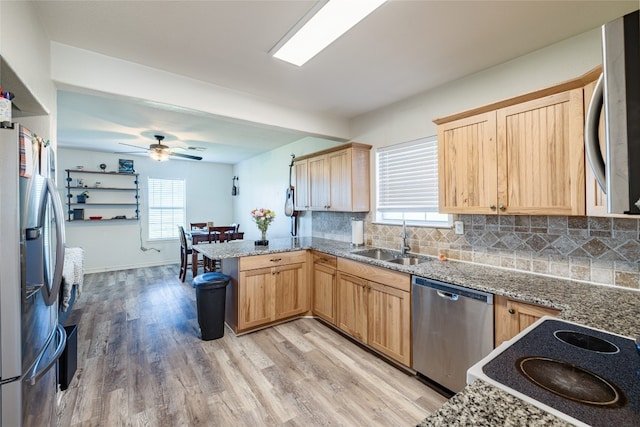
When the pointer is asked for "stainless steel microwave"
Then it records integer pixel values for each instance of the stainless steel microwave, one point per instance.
(618, 92)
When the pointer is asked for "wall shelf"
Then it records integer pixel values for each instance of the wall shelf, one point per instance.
(111, 199)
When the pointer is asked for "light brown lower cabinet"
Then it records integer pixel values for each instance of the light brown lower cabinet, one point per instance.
(374, 306)
(512, 317)
(266, 289)
(324, 287)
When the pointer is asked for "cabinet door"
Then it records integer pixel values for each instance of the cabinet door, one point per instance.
(340, 181)
(352, 306)
(389, 322)
(467, 175)
(512, 317)
(541, 156)
(301, 189)
(291, 296)
(255, 298)
(324, 289)
(318, 183)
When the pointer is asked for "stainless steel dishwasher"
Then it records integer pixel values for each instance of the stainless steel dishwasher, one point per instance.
(452, 329)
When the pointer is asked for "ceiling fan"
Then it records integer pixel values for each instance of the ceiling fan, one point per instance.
(161, 152)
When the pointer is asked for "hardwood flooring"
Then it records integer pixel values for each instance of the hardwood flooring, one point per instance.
(141, 363)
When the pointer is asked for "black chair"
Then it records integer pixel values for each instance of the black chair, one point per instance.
(186, 254)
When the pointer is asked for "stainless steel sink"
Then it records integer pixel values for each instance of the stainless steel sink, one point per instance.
(379, 254)
(407, 260)
(388, 255)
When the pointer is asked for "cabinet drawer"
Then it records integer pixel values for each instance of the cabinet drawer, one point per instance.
(324, 259)
(271, 260)
(391, 278)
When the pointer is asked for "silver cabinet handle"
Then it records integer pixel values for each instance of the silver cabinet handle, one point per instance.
(447, 295)
(492, 207)
(502, 207)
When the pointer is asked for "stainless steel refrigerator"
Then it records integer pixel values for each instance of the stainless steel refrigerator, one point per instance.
(31, 261)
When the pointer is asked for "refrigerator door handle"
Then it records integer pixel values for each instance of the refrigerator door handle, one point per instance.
(36, 372)
(591, 139)
(52, 296)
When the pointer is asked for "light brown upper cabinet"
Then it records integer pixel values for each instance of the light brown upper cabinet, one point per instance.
(334, 180)
(522, 156)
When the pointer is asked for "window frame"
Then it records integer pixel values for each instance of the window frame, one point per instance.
(413, 216)
(169, 231)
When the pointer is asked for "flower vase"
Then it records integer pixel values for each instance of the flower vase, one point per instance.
(263, 241)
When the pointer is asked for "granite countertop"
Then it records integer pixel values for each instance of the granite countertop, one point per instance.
(608, 308)
(482, 405)
(603, 307)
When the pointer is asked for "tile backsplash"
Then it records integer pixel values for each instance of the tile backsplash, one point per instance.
(593, 249)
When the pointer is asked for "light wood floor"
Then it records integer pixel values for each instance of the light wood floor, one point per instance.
(141, 363)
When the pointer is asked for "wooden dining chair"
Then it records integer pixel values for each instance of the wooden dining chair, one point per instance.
(232, 234)
(186, 253)
(214, 236)
(198, 225)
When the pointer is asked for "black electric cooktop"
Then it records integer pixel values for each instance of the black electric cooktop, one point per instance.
(591, 376)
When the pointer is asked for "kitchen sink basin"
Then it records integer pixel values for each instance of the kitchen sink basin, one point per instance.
(388, 255)
(379, 254)
(407, 260)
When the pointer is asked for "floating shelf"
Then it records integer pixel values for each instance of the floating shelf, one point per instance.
(111, 185)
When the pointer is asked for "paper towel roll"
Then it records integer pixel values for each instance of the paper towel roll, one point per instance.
(5, 110)
(357, 232)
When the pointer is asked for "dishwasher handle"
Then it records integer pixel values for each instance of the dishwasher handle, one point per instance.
(451, 291)
(448, 295)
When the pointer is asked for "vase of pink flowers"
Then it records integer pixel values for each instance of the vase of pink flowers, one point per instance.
(263, 218)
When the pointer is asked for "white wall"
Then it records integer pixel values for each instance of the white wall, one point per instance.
(116, 245)
(413, 118)
(263, 183)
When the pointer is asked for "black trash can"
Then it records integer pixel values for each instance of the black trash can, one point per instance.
(211, 291)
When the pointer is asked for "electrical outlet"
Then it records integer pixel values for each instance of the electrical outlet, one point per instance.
(458, 227)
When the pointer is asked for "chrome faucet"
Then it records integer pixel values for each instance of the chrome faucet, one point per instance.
(404, 248)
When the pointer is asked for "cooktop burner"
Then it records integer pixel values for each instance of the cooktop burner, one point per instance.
(570, 381)
(586, 341)
(580, 374)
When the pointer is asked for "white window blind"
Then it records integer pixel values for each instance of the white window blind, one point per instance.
(408, 176)
(166, 207)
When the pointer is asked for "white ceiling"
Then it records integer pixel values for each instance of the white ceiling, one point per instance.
(403, 48)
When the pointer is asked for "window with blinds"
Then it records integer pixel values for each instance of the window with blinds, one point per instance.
(166, 207)
(407, 183)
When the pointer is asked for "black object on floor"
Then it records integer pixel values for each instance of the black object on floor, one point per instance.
(69, 359)
(211, 289)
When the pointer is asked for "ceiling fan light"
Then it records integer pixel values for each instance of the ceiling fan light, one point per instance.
(159, 155)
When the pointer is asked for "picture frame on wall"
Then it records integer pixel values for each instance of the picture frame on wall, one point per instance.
(125, 166)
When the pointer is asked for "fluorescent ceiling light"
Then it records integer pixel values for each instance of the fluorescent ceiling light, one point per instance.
(334, 19)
